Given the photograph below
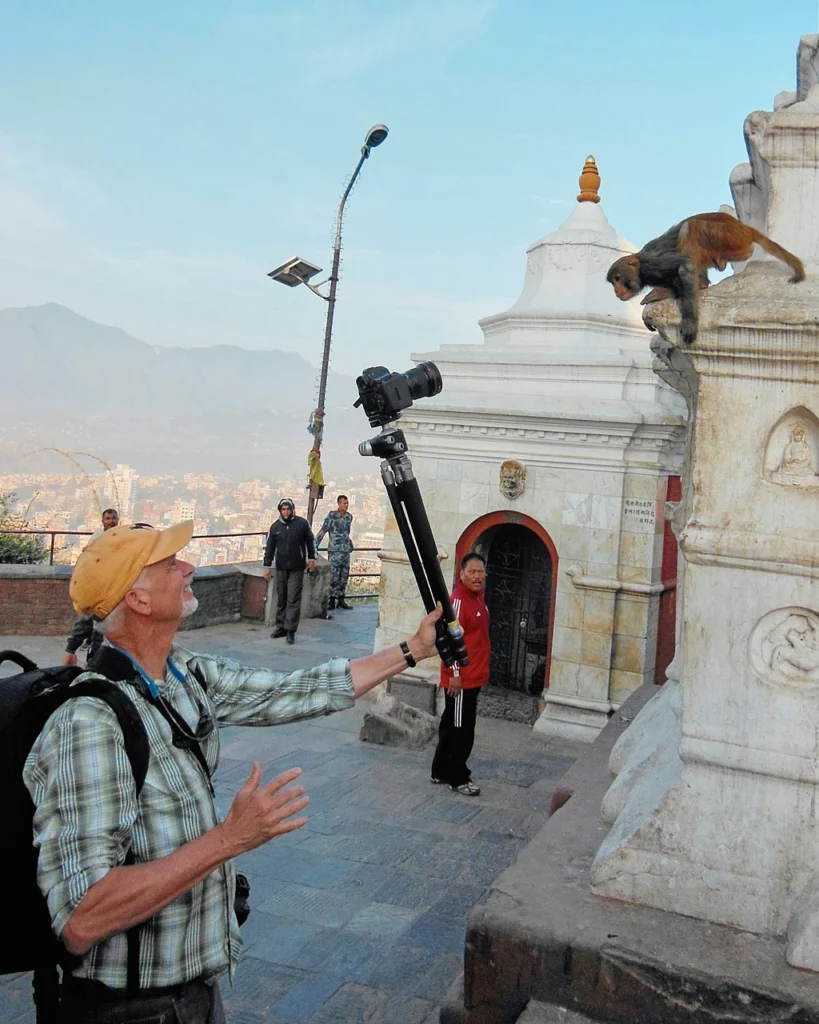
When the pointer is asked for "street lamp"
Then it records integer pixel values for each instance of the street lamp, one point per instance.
(298, 271)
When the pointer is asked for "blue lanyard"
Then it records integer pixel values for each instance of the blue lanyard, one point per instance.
(150, 683)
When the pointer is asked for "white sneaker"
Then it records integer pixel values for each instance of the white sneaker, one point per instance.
(467, 789)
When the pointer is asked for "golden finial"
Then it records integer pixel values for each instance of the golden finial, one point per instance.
(589, 182)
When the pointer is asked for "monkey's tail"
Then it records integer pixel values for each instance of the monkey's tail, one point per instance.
(771, 247)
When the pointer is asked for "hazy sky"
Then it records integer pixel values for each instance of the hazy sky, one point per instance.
(158, 158)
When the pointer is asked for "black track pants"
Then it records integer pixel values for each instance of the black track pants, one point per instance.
(456, 737)
(289, 584)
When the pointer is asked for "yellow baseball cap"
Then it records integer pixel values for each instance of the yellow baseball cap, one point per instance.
(112, 562)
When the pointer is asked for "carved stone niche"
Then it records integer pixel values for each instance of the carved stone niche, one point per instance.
(792, 451)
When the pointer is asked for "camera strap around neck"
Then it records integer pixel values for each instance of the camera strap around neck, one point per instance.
(116, 664)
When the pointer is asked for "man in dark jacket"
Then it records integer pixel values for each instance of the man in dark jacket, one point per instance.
(83, 631)
(290, 544)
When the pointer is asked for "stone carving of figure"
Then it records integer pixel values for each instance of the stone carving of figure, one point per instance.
(795, 647)
(512, 478)
(797, 459)
(785, 646)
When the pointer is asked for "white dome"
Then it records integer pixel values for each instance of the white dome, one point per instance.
(566, 272)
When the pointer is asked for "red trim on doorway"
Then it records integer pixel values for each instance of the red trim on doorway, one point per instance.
(507, 517)
(667, 616)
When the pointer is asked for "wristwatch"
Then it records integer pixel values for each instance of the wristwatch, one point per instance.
(407, 655)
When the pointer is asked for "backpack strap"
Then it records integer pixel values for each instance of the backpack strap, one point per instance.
(132, 938)
(26, 664)
(138, 751)
(133, 730)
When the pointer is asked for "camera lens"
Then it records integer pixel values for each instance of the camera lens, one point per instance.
(423, 380)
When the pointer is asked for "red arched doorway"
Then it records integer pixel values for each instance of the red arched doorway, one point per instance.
(521, 589)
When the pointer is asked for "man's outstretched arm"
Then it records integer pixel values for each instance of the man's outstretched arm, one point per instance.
(261, 696)
(370, 671)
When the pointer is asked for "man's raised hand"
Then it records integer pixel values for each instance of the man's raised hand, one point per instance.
(258, 813)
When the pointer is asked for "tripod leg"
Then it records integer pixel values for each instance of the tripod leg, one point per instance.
(395, 495)
(407, 537)
(410, 496)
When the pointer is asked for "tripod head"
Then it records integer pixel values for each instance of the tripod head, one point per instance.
(389, 444)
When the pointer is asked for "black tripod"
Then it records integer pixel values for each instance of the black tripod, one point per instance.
(408, 507)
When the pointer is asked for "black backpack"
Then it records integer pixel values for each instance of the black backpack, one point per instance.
(27, 701)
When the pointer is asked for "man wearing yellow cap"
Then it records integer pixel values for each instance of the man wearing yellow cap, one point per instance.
(142, 886)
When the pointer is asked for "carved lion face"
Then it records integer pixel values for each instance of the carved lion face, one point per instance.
(512, 478)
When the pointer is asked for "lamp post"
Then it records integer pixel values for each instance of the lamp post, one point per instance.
(298, 271)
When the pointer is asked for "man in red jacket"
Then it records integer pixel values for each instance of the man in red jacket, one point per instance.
(456, 733)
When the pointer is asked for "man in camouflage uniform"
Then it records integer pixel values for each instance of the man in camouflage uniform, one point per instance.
(337, 526)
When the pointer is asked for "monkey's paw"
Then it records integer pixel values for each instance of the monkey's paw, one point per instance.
(657, 295)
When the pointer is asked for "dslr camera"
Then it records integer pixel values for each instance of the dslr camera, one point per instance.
(383, 395)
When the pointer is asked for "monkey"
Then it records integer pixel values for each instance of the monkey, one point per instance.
(677, 263)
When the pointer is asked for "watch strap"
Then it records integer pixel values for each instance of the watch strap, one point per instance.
(407, 655)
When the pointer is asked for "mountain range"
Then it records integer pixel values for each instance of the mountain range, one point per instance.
(70, 383)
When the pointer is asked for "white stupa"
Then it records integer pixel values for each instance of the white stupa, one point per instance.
(549, 452)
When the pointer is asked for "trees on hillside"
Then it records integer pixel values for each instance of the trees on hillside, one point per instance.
(17, 549)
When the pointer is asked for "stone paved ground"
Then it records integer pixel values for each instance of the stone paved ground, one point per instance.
(360, 915)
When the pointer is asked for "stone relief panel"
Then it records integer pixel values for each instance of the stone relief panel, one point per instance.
(792, 451)
(590, 259)
(784, 647)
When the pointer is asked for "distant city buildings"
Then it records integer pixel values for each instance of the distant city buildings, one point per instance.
(216, 504)
(183, 510)
(368, 547)
(120, 490)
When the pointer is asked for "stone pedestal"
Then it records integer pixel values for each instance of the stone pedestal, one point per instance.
(734, 836)
(541, 940)
(315, 597)
(725, 827)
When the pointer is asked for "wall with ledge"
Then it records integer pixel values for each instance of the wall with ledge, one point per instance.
(34, 599)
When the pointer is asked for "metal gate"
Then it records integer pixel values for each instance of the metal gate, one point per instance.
(519, 598)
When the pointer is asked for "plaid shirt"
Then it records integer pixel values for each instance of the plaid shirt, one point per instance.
(87, 814)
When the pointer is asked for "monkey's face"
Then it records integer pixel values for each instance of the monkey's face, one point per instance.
(624, 277)
(622, 290)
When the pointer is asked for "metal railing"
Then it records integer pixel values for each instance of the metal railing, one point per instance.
(50, 533)
(356, 575)
(53, 534)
